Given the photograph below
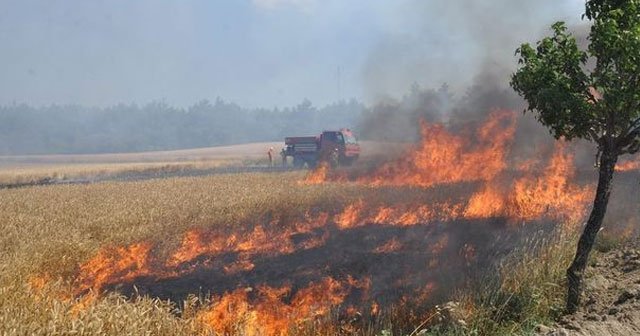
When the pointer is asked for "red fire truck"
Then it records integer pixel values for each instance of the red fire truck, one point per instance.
(334, 147)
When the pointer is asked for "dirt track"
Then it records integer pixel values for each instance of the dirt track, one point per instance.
(244, 158)
(247, 151)
(611, 302)
(148, 175)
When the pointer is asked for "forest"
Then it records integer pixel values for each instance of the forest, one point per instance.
(76, 129)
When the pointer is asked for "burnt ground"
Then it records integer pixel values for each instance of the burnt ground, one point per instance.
(611, 301)
(402, 272)
(446, 255)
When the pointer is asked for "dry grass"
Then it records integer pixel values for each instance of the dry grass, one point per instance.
(245, 151)
(528, 291)
(50, 230)
(30, 173)
(82, 218)
(28, 169)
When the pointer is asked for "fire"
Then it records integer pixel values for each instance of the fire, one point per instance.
(487, 203)
(490, 185)
(351, 215)
(360, 214)
(115, 265)
(392, 245)
(552, 194)
(198, 242)
(444, 157)
(628, 165)
(223, 315)
(261, 242)
(318, 175)
(266, 312)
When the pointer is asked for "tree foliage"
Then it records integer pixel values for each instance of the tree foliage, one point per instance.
(591, 94)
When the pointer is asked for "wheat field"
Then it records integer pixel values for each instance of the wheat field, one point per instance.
(50, 231)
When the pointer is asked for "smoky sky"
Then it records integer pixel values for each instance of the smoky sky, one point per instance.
(455, 42)
(256, 52)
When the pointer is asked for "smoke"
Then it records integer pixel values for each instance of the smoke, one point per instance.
(395, 120)
(470, 47)
(457, 42)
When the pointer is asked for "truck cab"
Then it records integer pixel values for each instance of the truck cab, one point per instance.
(334, 147)
(339, 147)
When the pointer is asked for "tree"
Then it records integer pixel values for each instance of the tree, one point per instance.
(591, 94)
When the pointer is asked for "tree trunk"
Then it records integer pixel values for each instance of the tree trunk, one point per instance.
(575, 271)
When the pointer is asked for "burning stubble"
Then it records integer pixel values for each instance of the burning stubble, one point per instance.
(276, 274)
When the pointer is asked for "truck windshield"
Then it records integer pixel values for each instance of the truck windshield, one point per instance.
(333, 137)
(350, 139)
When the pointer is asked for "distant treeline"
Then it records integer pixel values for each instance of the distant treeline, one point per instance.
(158, 126)
(75, 129)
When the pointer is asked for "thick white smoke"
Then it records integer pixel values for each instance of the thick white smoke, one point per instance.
(456, 42)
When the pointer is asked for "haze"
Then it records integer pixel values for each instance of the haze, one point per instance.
(260, 53)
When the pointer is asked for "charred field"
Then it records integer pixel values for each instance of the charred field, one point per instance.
(364, 251)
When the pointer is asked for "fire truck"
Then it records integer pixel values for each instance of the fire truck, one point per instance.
(337, 148)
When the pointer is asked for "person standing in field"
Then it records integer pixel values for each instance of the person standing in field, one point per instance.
(270, 155)
(283, 154)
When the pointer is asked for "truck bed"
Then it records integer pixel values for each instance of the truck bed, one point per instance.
(300, 140)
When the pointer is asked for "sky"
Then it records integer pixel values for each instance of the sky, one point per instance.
(257, 53)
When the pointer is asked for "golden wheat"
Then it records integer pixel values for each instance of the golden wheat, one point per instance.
(48, 231)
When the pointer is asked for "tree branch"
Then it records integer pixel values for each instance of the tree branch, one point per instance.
(631, 148)
(594, 135)
(634, 124)
(634, 147)
(632, 132)
(596, 164)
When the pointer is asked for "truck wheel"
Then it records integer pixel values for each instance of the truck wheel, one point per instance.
(298, 162)
(333, 159)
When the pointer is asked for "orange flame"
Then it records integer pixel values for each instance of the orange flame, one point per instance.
(196, 243)
(550, 195)
(115, 265)
(628, 165)
(444, 157)
(360, 214)
(534, 189)
(318, 175)
(489, 202)
(268, 313)
(392, 245)
(350, 217)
